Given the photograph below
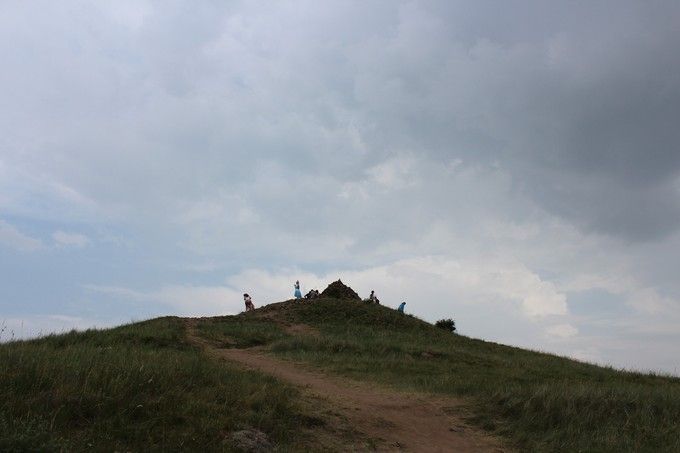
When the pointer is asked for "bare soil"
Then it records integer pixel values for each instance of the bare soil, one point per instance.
(395, 421)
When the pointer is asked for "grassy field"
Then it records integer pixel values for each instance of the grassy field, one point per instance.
(138, 387)
(142, 387)
(539, 402)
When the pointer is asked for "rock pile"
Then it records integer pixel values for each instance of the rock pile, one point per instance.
(339, 290)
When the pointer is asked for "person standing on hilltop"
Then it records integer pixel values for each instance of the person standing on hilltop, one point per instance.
(401, 307)
(249, 302)
(298, 294)
(373, 298)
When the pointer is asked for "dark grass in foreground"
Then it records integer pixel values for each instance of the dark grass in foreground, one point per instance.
(139, 387)
(539, 402)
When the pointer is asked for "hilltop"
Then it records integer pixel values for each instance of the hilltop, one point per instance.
(231, 383)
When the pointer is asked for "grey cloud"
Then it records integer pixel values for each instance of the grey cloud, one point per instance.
(339, 135)
(594, 98)
(577, 103)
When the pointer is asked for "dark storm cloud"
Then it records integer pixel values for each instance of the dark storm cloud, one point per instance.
(579, 102)
(611, 158)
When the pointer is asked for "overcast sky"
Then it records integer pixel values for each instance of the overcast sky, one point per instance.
(513, 165)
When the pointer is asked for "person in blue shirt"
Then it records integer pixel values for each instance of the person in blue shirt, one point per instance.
(298, 294)
(401, 307)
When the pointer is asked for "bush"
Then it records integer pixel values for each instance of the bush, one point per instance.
(446, 324)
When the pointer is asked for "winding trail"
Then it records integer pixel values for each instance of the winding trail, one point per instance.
(399, 421)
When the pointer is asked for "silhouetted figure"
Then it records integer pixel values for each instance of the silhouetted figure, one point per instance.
(401, 307)
(298, 294)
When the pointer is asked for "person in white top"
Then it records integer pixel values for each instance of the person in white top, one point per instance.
(249, 302)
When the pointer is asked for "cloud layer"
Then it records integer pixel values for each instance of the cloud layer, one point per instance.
(169, 156)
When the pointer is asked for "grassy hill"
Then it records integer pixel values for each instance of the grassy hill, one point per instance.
(144, 387)
(139, 387)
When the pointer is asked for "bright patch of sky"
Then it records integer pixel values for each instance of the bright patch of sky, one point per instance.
(514, 166)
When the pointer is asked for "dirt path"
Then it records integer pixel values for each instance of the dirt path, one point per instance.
(403, 422)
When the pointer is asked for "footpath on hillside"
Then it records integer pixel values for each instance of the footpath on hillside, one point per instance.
(399, 421)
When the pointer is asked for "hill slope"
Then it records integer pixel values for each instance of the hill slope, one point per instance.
(143, 387)
(146, 387)
(387, 419)
(536, 401)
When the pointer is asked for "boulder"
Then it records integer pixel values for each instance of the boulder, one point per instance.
(251, 441)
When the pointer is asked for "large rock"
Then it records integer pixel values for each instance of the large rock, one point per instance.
(339, 290)
(251, 441)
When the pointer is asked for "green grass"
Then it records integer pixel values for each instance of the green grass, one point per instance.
(539, 402)
(139, 387)
(143, 387)
(240, 331)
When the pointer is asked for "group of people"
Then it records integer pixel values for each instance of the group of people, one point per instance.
(372, 298)
(313, 294)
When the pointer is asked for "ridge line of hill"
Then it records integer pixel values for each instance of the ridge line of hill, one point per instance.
(146, 387)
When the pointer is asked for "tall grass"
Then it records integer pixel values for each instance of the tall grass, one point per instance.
(139, 387)
(143, 387)
(540, 402)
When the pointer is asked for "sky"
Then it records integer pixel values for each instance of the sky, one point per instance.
(512, 165)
